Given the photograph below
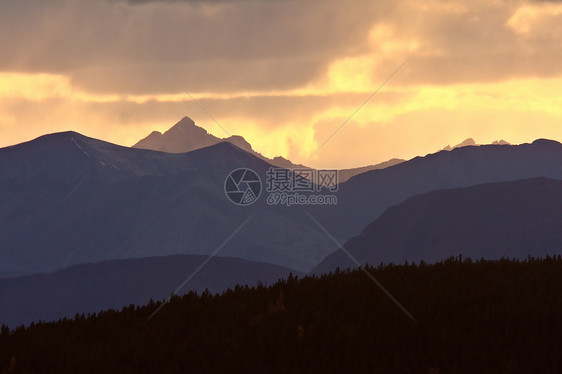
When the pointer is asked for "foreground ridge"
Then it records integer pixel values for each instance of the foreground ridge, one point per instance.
(494, 316)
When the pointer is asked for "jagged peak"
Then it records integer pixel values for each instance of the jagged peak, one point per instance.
(186, 124)
(186, 120)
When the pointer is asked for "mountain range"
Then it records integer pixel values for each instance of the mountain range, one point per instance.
(365, 197)
(70, 202)
(186, 136)
(69, 199)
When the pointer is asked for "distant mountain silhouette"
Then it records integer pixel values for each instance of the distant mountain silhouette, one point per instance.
(186, 136)
(91, 288)
(471, 142)
(466, 143)
(509, 219)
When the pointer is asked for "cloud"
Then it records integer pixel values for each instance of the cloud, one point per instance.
(540, 20)
(225, 45)
(140, 2)
(251, 45)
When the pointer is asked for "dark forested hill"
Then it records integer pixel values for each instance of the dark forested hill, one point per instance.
(484, 317)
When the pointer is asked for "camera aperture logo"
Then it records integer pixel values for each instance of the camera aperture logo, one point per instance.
(284, 186)
(242, 186)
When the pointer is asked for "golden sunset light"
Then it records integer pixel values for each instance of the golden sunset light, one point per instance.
(483, 69)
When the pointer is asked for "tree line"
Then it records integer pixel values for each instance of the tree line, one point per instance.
(482, 316)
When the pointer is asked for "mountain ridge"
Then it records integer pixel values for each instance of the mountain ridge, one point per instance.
(365, 196)
(91, 287)
(59, 206)
(507, 219)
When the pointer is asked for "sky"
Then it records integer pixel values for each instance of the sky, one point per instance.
(285, 74)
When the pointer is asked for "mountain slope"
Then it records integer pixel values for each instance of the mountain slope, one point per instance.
(345, 174)
(364, 197)
(90, 288)
(68, 199)
(509, 219)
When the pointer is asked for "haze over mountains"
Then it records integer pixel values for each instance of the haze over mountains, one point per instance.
(186, 136)
(89, 288)
(508, 219)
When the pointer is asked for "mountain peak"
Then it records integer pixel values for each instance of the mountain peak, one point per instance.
(466, 143)
(186, 124)
(185, 121)
(184, 136)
